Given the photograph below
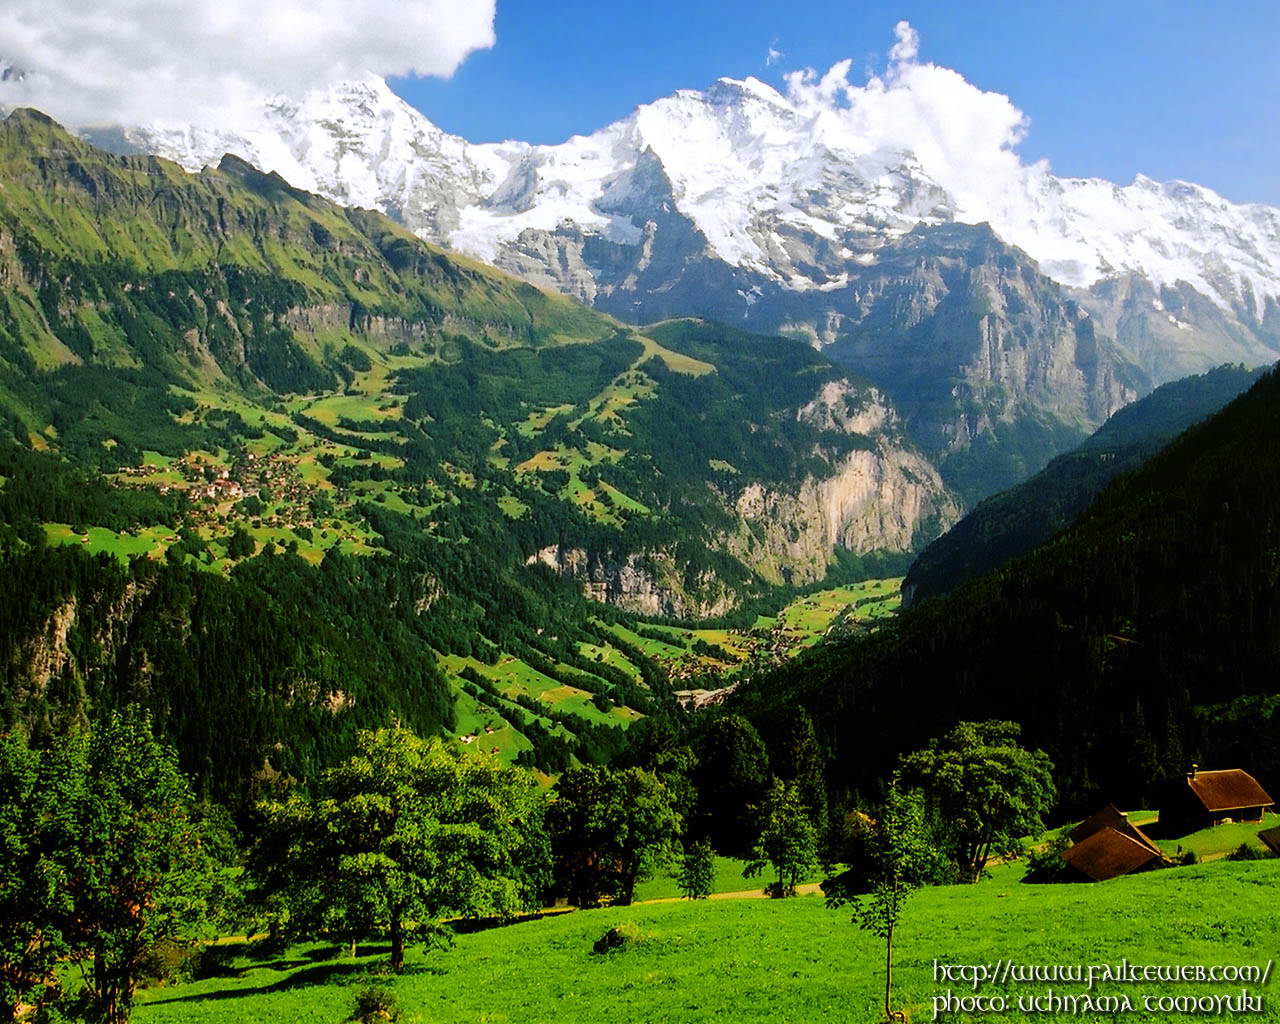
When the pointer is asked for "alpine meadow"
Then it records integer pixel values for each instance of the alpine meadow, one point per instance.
(787, 555)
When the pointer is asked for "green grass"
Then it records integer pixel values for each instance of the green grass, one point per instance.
(728, 879)
(772, 961)
(1211, 843)
(151, 541)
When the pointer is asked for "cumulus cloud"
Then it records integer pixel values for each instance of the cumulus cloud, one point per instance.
(907, 48)
(965, 138)
(129, 61)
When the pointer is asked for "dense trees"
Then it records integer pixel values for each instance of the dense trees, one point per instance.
(1161, 598)
(731, 777)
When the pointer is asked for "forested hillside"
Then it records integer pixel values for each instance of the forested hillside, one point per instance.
(1141, 639)
(1013, 522)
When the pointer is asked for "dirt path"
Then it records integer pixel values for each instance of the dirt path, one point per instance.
(745, 894)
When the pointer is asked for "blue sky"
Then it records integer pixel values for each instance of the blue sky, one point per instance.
(1173, 90)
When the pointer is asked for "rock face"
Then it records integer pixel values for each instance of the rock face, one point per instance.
(884, 497)
(647, 584)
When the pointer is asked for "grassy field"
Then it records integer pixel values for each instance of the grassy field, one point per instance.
(728, 879)
(776, 961)
(1210, 843)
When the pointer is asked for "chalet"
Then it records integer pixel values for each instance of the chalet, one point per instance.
(1271, 837)
(1108, 845)
(1204, 799)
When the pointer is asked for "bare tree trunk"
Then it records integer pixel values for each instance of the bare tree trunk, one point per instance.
(888, 974)
(397, 943)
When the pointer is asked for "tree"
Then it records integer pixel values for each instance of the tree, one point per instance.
(241, 544)
(800, 759)
(731, 778)
(138, 871)
(697, 870)
(899, 849)
(34, 907)
(407, 831)
(989, 790)
(788, 839)
(609, 829)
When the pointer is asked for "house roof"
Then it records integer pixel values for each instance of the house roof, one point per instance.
(1271, 837)
(1228, 790)
(1110, 817)
(1107, 854)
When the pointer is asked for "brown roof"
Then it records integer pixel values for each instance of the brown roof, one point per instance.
(1228, 790)
(1271, 837)
(1107, 854)
(1110, 817)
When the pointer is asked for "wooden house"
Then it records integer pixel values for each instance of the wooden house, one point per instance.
(1271, 837)
(1206, 798)
(1108, 845)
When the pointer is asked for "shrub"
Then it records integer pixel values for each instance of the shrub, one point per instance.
(1246, 852)
(374, 1004)
(1047, 865)
(620, 936)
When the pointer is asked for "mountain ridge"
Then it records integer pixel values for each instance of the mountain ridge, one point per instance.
(792, 195)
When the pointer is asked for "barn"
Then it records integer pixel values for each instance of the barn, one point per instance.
(1271, 837)
(1203, 799)
(1107, 845)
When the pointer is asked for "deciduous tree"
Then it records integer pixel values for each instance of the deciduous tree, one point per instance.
(407, 831)
(609, 829)
(990, 791)
(788, 840)
(899, 855)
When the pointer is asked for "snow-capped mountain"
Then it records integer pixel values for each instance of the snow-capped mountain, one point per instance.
(789, 197)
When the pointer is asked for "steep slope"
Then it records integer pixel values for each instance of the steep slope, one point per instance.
(1013, 522)
(1123, 645)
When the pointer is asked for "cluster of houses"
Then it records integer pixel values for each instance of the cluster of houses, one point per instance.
(1107, 844)
(213, 488)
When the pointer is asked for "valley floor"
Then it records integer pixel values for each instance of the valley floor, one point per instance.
(780, 961)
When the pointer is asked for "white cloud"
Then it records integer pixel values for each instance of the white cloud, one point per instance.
(966, 139)
(907, 48)
(773, 56)
(130, 61)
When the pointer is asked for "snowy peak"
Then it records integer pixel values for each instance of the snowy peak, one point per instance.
(797, 190)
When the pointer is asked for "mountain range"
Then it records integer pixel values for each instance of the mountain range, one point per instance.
(1030, 312)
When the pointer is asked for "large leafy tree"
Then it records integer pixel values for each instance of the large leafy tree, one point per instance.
(36, 792)
(989, 790)
(788, 840)
(407, 831)
(609, 829)
(139, 868)
(105, 857)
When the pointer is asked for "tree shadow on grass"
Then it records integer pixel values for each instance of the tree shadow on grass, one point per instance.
(301, 977)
